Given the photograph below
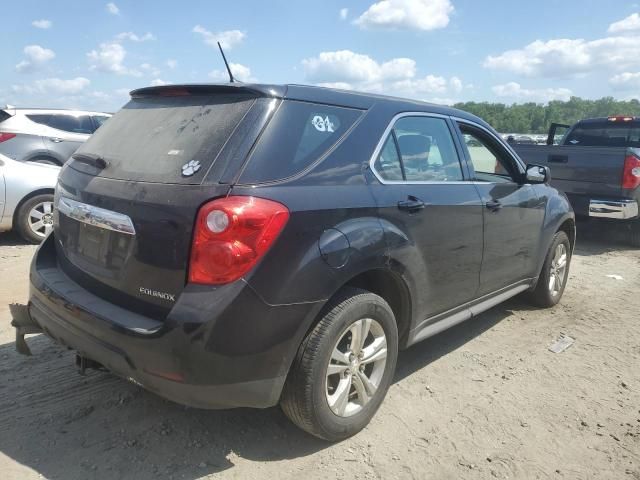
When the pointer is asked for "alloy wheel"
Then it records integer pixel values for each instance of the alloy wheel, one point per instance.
(557, 269)
(41, 219)
(356, 367)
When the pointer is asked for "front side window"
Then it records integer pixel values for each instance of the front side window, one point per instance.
(490, 162)
(419, 149)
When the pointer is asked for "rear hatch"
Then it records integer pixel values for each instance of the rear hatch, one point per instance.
(128, 199)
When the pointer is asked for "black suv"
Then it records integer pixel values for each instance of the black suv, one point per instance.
(248, 245)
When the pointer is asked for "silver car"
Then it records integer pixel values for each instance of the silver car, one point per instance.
(26, 198)
(45, 136)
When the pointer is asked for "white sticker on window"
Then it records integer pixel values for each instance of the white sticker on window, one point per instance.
(174, 152)
(323, 124)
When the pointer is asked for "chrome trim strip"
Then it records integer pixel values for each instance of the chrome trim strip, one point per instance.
(471, 309)
(96, 216)
(620, 210)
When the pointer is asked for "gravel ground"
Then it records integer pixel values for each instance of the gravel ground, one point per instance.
(486, 399)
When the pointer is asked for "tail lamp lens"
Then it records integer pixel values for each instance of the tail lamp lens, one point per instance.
(631, 172)
(231, 235)
(6, 136)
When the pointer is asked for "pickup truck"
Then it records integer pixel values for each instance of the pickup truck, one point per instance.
(596, 162)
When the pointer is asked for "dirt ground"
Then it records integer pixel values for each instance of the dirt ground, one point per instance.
(486, 399)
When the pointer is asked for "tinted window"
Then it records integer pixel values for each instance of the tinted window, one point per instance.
(490, 162)
(153, 138)
(609, 134)
(65, 122)
(99, 120)
(299, 134)
(388, 162)
(419, 149)
(4, 115)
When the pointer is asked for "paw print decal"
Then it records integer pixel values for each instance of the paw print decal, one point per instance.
(190, 168)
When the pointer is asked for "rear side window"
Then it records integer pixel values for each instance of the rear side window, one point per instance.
(99, 120)
(167, 139)
(64, 122)
(299, 134)
(3, 116)
(609, 134)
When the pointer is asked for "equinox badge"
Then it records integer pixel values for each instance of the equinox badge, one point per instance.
(154, 293)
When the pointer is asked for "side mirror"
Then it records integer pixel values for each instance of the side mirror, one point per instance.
(538, 174)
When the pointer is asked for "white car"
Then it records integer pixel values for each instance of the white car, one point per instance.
(26, 198)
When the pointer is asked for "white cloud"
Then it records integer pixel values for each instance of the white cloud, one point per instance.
(55, 86)
(149, 69)
(158, 82)
(171, 63)
(559, 57)
(514, 91)
(109, 58)
(228, 39)
(43, 24)
(344, 13)
(240, 72)
(348, 70)
(112, 8)
(629, 24)
(37, 57)
(625, 81)
(407, 14)
(135, 38)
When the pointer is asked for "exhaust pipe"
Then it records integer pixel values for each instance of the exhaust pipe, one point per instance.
(84, 363)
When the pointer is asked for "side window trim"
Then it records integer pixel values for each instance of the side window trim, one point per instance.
(462, 160)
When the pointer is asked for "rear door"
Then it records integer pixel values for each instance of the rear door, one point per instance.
(124, 231)
(424, 194)
(513, 213)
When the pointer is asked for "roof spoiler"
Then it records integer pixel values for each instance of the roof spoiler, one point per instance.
(9, 109)
(208, 89)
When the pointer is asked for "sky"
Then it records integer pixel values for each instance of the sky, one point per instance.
(89, 54)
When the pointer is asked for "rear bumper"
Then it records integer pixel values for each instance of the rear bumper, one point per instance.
(218, 348)
(616, 209)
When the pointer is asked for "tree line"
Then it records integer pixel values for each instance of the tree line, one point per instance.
(536, 117)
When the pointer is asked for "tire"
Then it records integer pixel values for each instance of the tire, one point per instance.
(305, 397)
(545, 295)
(26, 221)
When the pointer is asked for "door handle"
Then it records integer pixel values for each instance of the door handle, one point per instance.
(55, 139)
(411, 204)
(494, 205)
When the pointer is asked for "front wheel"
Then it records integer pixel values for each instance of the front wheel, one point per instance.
(554, 274)
(344, 367)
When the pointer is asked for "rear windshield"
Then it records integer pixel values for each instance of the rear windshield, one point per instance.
(609, 134)
(299, 134)
(167, 139)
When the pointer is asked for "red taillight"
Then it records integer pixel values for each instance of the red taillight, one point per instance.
(631, 172)
(6, 136)
(230, 236)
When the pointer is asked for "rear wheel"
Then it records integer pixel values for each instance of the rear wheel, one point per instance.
(555, 272)
(34, 219)
(343, 368)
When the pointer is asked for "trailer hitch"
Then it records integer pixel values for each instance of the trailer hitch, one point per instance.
(24, 325)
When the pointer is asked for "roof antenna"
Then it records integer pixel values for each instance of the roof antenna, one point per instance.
(231, 79)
